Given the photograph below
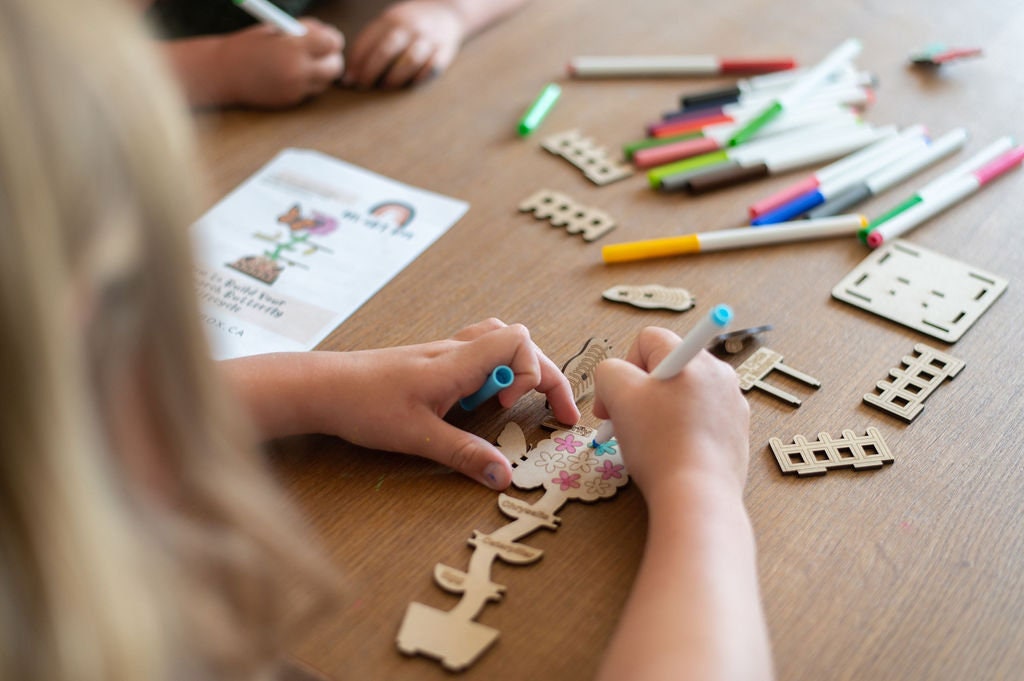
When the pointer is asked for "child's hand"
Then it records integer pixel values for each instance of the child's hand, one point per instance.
(410, 42)
(395, 399)
(695, 422)
(260, 66)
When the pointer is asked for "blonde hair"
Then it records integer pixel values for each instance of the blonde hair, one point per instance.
(112, 569)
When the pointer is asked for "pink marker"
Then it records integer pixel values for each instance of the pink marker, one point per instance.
(943, 196)
(829, 172)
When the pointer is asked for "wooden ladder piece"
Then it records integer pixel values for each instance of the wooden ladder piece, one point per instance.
(816, 458)
(586, 155)
(913, 381)
(567, 468)
(562, 211)
(762, 363)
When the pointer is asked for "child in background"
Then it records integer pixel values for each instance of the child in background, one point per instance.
(141, 536)
(223, 59)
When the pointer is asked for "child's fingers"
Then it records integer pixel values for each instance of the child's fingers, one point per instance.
(611, 378)
(365, 43)
(409, 63)
(474, 331)
(325, 71)
(472, 456)
(393, 44)
(321, 39)
(651, 346)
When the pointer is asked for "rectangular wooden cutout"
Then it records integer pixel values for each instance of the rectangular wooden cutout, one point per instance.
(927, 291)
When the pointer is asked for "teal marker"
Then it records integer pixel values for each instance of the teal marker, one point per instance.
(539, 109)
(497, 380)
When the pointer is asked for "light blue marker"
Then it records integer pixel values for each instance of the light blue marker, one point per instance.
(694, 342)
(499, 379)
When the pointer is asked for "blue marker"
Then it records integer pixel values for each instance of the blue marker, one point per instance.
(499, 379)
(675, 361)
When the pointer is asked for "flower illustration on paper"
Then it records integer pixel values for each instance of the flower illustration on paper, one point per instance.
(568, 443)
(610, 470)
(582, 462)
(567, 481)
(550, 462)
(610, 447)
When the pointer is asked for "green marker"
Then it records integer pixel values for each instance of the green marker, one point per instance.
(539, 109)
(989, 153)
(798, 90)
(863, 232)
(656, 175)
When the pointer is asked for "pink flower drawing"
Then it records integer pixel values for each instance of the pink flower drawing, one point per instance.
(568, 443)
(567, 481)
(610, 470)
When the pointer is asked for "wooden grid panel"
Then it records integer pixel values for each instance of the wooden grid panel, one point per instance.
(815, 458)
(913, 381)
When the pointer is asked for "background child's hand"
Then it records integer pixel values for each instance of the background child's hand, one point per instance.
(695, 422)
(409, 42)
(260, 66)
(395, 399)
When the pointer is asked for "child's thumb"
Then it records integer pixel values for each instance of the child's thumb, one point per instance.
(468, 454)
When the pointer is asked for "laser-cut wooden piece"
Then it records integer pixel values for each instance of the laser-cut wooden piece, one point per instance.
(816, 458)
(927, 291)
(762, 363)
(579, 370)
(651, 297)
(733, 342)
(916, 378)
(585, 154)
(567, 468)
(562, 211)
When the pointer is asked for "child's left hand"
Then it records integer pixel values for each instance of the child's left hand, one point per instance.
(410, 42)
(395, 399)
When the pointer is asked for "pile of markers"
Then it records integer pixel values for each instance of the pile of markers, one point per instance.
(782, 121)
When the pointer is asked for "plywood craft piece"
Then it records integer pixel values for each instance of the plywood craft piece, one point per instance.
(733, 342)
(567, 468)
(913, 381)
(585, 154)
(651, 297)
(762, 363)
(815, 458)
(927, 291)
(561, 211)
(579, 371)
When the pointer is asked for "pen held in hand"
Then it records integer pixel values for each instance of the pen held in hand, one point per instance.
(675, 361)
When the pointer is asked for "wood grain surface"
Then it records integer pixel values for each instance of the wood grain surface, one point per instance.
(911, 571)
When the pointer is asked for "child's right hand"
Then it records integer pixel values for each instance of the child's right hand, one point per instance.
(697, 422)
(260, 66)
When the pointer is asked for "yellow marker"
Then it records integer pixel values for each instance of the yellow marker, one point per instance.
(723, 239)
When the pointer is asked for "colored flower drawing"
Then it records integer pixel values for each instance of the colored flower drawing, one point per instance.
(607, 469)
(610, 447)
(568, 444)
(567, 481)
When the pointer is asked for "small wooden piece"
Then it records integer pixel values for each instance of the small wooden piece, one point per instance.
(567, 468)
(651, 297)
(586, 155)
(762, 363)
(733, 342)
(924, 290)
(815, 458)
(561, 211)
(579, 370)
(913, 381)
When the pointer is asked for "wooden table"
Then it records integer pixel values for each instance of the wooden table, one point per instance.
(909, 572)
